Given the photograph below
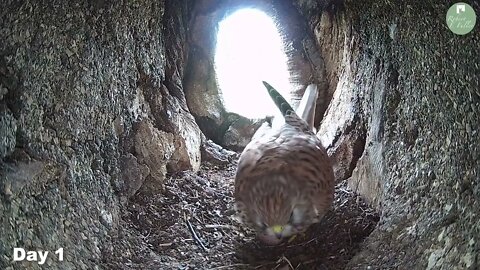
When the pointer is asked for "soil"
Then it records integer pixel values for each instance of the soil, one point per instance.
(191, 225)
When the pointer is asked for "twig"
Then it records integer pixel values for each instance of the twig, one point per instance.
(194, 234)
(265, 264)
(345, 191)
(349, 236)
(289, 263)
(449, 96)
(303, 243)
(229, 266)
(219, 226)
(343, 203)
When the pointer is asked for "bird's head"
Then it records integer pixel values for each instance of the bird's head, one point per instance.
(284, 220)
(277, 213)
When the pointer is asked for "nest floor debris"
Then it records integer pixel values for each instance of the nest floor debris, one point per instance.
(191, 225)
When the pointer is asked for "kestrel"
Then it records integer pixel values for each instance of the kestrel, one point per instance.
(284, 180)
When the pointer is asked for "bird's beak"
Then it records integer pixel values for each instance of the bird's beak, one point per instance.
(277, 229)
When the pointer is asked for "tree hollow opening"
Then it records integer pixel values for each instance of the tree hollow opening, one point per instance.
(250, 50)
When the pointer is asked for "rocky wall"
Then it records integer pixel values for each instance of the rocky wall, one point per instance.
(91, 110)
(203, 94)
(405, 113)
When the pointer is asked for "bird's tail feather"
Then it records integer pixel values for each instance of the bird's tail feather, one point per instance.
(306, 108)
(282, 104)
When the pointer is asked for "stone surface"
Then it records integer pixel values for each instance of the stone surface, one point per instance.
(8, 129)
(186, 140)
(133, 174)
(366, 178)
(345, 154)
(415, 94)
(201, 89)
(342, 129)
(215, 154)
(202, 92)
(85, 94)
(88, 89)
(239, 132)
(153, 148)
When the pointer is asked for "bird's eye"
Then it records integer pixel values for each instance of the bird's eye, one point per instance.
(291, 218)
(262, 225)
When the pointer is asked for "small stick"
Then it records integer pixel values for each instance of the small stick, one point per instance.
(229, 266)
(219, 226)
(343, 203)
(194, 234)
(303, 243)
(289, 263)
(345, 191)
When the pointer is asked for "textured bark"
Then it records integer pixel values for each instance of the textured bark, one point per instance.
(412, 91)
(95, 101)
(203, 96)
(91, 110)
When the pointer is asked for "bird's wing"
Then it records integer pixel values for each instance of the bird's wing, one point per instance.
(308, 104)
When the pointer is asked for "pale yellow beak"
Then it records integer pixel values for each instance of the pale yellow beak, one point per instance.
(277, 229)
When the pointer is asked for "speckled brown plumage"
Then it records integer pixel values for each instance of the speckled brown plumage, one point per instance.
(284, 180)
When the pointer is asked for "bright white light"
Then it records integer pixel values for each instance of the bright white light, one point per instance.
(249, 51)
